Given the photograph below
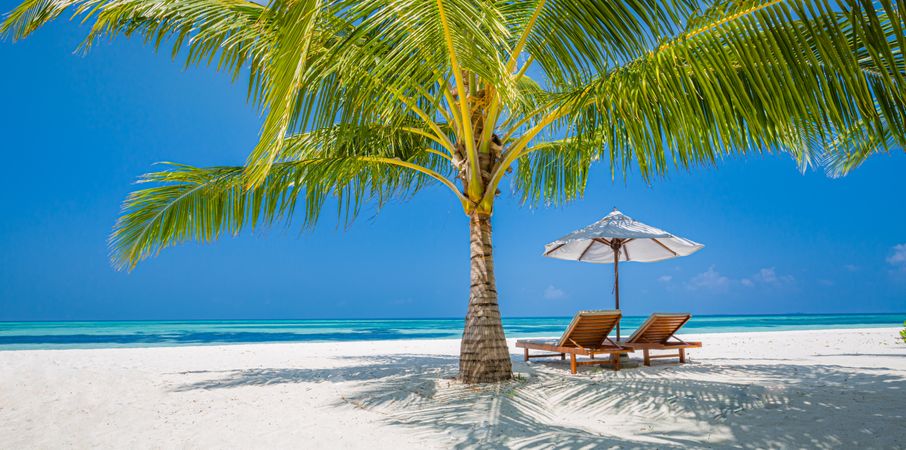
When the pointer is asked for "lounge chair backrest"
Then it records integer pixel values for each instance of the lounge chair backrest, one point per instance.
(658, 328)
(588, 329)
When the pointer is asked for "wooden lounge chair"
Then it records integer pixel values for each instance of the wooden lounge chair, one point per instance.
(655, 334)
(586, 335)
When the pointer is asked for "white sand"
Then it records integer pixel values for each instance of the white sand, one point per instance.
(800, 389)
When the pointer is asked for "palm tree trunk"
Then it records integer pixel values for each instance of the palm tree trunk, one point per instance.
(484, 356)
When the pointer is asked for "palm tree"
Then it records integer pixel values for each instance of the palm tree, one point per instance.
(368, 101)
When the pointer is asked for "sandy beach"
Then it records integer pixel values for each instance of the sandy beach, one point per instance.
(792, 389)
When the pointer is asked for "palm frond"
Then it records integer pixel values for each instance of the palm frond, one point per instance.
(780, 77)
(574, 40)
(852, 148)
(32, 14)
(231, 32)
(353, 166)
(295, 46)
(201, 204)
(554, 173)
(385, 57)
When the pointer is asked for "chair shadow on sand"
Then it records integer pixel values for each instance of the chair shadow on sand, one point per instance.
(751, 405)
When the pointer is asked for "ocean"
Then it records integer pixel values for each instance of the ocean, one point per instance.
(110, 334)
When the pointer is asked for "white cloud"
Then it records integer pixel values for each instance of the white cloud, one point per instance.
(712, 280)
(897, 259)
(768, 276)
(826, 282)
(709, 280)
(554, 293)
(665, 278)
(851, 267)
(897, 256)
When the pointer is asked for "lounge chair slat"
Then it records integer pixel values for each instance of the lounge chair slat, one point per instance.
(654, 334)
(586, 335)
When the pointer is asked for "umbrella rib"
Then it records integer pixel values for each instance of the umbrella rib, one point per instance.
(586, 250)
(603, 241)
(626, 249)
(665, 247)
(554, 249)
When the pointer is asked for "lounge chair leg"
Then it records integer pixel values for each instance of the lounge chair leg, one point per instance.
(526, 354)
(647, 359)
(615, 359)
(562, 356)
(682, 355)
(592, 356)
(572, 363)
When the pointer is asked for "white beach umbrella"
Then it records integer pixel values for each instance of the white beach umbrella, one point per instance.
(618, 238)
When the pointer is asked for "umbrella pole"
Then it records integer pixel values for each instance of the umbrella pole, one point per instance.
(616, 281)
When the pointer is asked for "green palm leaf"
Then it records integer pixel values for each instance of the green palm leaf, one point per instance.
(555, 172)
(355, 167)
(754, 83)
(232, 33)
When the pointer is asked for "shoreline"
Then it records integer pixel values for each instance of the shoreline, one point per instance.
(510, 340)
(811, 388)
(367, 319)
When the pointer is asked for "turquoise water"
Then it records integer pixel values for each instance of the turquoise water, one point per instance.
(60, 335)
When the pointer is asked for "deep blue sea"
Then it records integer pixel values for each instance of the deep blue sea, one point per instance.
(61, 335)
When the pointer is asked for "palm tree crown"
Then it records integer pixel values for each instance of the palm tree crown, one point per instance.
(366, 101)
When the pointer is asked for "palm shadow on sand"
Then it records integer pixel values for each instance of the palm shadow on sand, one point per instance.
(742, 405)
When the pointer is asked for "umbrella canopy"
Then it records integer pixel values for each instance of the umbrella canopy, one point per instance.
(617, 238)
(619, 234)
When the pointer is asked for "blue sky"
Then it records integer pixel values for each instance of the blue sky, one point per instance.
(77, 131)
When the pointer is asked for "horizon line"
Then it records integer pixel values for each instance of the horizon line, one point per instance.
(433, 318)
